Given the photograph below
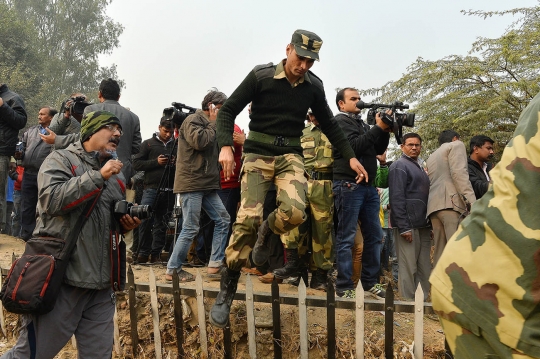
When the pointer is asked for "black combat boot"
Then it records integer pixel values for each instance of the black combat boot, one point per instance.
(219, 314)
(291, 268)
(261, 251)
(319, 279)
(303, 275)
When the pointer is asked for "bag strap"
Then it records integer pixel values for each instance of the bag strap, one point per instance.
(72, 238)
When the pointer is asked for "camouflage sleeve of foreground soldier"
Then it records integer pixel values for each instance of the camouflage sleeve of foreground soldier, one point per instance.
(485, 287)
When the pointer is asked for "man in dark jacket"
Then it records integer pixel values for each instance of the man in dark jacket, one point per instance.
(12, 119)
(358, 201)
(197, 181)
(155, 162)
(109, 94)
(481, 151)
(34, 151)
(409, 192)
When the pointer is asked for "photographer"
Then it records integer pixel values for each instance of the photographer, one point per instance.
(197, 181)
(67, 181)
(154, 161)
(69, 121)
(358, 201)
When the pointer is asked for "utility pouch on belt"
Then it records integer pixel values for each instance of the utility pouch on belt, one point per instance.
(274, 140)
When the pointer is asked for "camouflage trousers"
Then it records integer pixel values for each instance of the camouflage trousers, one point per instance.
(257, 174)
(467, 340)
(318, 226)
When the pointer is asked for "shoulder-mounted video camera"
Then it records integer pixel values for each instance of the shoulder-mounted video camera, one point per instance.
(178, 112)
(396, 121)
(75, 105)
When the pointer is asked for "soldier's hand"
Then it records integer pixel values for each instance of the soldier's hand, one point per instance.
(49, 138)
(407, 236)
(226, 160)
(359, 169)
(112, 167)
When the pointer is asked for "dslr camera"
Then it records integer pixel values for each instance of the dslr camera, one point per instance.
(176, 113)
(124, 207)
(75, 105)
(396, 120)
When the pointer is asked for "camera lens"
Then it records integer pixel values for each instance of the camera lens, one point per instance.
(141, 212)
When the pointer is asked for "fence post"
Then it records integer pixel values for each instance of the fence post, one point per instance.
(250, 311)
(2, 320)
(359, 321)
(419, 323)
(276, 319)
(331, 318)
(155, 312)
(302, 319)
(201, 313)
(132, 311)
(178, 315)
(389, 322)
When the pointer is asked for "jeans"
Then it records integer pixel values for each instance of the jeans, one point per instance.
(29, 193)
(192, 202)
(388, 251)
(154, 240)
(16, 219)
(352, 202)
(4, 170)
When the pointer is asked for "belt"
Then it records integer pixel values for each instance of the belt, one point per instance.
(281, 141)
(314, 175)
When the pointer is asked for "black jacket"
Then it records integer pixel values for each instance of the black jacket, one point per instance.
(477, 177)
(409, 191)
(146, 160)
(366, 143)
(12, 119)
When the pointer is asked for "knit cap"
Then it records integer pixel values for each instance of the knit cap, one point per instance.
(92, 122)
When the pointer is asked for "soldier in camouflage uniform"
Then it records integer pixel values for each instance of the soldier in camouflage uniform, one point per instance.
(280, 94)
(492, 310)
(318, 163)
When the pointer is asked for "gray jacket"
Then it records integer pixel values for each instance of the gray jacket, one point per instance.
(197, 158)
(67, 181)
(35, 150)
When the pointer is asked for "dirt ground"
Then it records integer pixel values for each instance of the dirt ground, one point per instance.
(345, 325)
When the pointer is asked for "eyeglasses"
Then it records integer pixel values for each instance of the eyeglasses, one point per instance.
(114, 128)
(413, 145)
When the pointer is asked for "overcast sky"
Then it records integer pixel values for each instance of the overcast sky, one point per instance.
(174, 50)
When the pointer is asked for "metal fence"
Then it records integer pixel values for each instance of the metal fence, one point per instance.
(302, 301)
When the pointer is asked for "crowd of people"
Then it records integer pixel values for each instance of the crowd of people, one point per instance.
(288, 199)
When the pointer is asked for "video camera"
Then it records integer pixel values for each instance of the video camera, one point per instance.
(396, 121)
(75, 105)
(176, 113)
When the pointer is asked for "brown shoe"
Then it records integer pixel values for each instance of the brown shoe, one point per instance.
(253, 271)
(268, 278)
(141, 259)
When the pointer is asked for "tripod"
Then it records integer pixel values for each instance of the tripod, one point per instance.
(163, 189)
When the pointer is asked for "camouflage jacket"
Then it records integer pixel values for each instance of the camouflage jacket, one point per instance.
(490, 269)
(317, 150)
